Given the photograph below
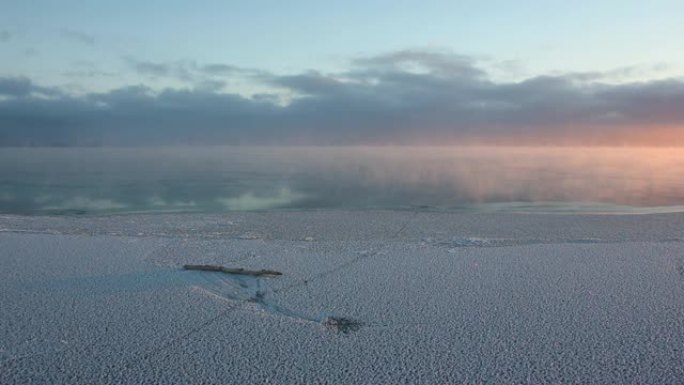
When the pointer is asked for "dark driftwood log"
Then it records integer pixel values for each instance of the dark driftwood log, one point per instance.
(227, 270)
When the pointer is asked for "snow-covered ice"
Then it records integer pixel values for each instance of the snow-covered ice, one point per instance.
(366, 297)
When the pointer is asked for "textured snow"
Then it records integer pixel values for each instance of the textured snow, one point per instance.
(366, 297)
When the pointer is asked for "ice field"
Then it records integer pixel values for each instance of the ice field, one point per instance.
(422, 298)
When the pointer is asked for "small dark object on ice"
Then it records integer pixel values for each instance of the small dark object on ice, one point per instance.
(228, 270)
(341, 324)
(258, 297)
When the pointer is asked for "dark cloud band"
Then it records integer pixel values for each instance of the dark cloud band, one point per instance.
(401, 97)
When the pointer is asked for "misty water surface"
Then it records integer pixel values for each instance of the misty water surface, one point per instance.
(214, 179)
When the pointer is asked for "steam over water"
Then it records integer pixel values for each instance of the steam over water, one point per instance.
(214, 179)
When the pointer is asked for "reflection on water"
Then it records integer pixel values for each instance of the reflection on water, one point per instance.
(97, 180)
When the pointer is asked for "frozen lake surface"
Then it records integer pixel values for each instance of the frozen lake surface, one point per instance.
(430, 298)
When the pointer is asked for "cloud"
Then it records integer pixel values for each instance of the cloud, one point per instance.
(436, 63)
(77, 36)
(210, 85)
(81, 69)
(21, 87)
(409, 96)
(16, 87)
(208, 77)
(151, 68)
(188, 71)
(5, 35)
(88, 73)
(219, 69)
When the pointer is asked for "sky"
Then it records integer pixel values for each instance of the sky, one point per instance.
(354, 72)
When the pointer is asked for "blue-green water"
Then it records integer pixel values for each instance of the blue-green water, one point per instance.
(214, 179)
